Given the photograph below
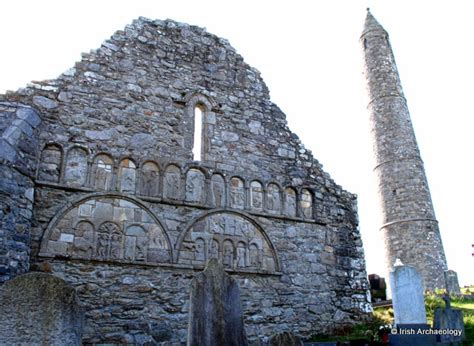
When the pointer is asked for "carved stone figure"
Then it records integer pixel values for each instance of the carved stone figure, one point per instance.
(76, 167)
(127, 176)
(241, 255)
(218, 191)
(102, 172)
(171, 184)
(237, 193)
(200, 250)
(256, 195)
(50, 164)
(289, 202)
(149, 185)
(273, 198)
(254, 255)
(195, 186)
(83, 244)
(228, 255)
(306, 204)
(214, 249)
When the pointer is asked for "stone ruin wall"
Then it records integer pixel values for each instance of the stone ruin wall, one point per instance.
(124, 214)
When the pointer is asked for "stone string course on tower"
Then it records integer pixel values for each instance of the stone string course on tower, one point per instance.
(410, 228)
(99, 187)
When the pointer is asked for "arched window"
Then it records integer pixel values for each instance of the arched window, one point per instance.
(197, 144)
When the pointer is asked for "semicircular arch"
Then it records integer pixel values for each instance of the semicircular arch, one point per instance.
(63, 237)
(219, 229)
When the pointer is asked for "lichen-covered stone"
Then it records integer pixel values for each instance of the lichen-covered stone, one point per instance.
(215, 311)
(39, 308)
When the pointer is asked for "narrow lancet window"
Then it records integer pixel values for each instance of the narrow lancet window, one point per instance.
(197, 134)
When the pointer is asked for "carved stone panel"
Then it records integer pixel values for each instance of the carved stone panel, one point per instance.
(218, 191)
(150, 183)
(50, 164)
(289, 202)
(306, 204)
(127, 176)
(102, 172)
(195, 191)
(256, 195)
(108, 229)
(237, 193)
(172, 182)
(234, 240)
(273, 199)
(76, 167)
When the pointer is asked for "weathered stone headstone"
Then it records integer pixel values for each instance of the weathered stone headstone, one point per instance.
(449, 322)
(215, 312)
(407, 295)
(452, 283)
(409, 309)
(285, 339)
(39, 308)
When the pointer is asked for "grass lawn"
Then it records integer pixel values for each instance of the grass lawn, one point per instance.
(384, 316)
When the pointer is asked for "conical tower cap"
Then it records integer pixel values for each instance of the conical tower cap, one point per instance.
(371, 24)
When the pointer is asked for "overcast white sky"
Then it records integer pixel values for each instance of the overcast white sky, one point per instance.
(309, 56)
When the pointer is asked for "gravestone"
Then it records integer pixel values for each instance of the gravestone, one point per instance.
(452, 283)
(407, 295)
(39, 308)
(215, 312)
(409, 309)
(449, 322)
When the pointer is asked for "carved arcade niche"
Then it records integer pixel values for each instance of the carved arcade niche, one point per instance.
(256, 195)
(127, 176)
(218, 191)
(50, 163)
(306, 204)
(76, 167)
(289, 202)
(102, 172)
(150, 180)
(273, 199)
(108, 229)
(237, 193)
(234, 240)
(172, 182)
(195, 186)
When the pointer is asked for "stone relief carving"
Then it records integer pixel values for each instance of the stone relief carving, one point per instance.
(102, 172)
(195, 182)
(256, 195)
(172, 182)
(127, 176)
(235, 241)
(76, 167)
(289, 202)
(50, 163)
(237, 193)
(109, 229)
(150, 180)
(195, 190)
(306, 204)
(218, 191)
(273, 199)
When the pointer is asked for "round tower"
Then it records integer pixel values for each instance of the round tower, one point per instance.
(409, 226)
